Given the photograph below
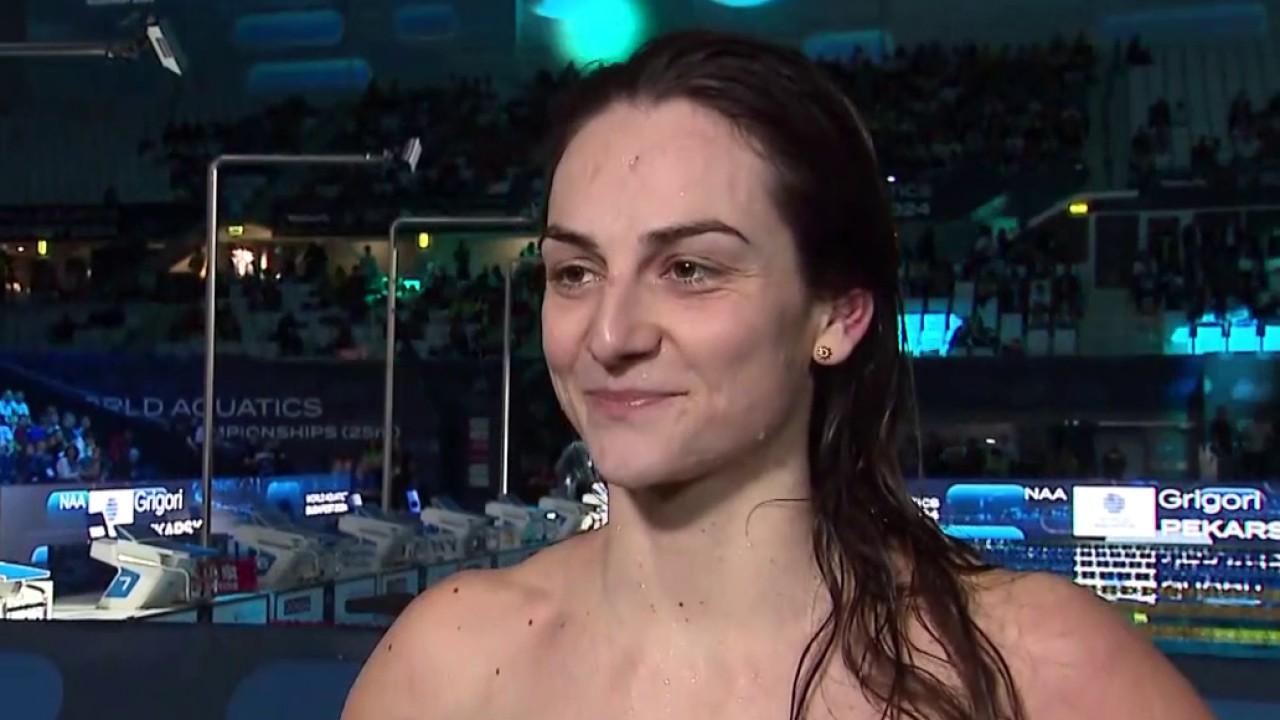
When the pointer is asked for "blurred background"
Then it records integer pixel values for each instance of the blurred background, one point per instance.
(1088, 196)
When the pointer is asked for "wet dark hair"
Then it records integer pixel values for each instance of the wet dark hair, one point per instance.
(890, 571)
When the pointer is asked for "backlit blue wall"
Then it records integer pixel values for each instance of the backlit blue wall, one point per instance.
(293, 29)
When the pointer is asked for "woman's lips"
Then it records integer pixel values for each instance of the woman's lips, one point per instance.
(623, 403)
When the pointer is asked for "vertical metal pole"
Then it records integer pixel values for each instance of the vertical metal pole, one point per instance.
(210, 332)
(210, 294)
(435, 222)
(504, 466)
(388, 381)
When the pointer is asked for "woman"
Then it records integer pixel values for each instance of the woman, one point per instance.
(720, 324)
(67, 468)
(91, 460)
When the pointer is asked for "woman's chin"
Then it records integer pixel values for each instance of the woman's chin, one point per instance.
(636, 469)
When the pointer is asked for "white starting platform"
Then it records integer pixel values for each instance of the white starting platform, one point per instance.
(396, 540)
(520, 525)
(149, 574)
(456, 535)
(86, 607)
(26, 593)
(290, 555)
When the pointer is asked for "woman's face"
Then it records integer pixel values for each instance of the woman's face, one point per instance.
(676, 325)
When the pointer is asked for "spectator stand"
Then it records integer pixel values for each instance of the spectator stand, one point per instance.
(1184, 280)
(1207, 114)
(1196, 280)
(976, 292)
(109, 444)
(43, 443)
(939, 114)
(984, 290)
(935, 110)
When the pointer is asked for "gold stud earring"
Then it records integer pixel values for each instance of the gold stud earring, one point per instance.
(823, 353)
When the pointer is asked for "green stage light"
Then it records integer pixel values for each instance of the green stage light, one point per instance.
(601, 31)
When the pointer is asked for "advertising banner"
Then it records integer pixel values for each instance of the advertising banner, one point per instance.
(315, 412)
(34, 518)
(1238, 514)
(304, 606)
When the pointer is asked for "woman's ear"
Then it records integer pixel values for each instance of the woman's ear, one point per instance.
(845, 322)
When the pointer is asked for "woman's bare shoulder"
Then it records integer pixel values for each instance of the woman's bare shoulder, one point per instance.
(1073, 655)
(445, 651)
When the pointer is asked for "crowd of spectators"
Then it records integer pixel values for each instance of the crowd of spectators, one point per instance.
(1027, 274)
(1208, 268)
(1253, 133)
(479, 148)
(445, 309)
(929, 108)
(1252, 143)
(933, 108)
(58, 447)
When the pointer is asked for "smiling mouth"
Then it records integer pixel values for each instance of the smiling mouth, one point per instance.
(624, 401)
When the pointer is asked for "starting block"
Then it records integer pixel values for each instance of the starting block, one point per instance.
(26, 593)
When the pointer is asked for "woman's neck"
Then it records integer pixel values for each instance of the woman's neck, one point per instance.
(730, 551)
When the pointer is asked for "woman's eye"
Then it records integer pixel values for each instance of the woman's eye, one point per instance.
(571, 276)
(689, 272)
